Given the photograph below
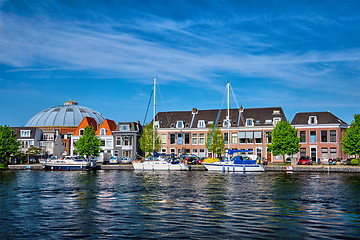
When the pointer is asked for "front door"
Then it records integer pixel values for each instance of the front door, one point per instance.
(313, 154)
(268, 156)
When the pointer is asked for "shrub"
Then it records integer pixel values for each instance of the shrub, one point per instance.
(354, 162)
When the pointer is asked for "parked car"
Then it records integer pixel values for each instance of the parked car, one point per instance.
(305, 161)
(191, 159)
(113, 159)
(125, 160)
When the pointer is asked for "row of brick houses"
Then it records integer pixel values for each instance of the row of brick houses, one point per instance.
(186, 132)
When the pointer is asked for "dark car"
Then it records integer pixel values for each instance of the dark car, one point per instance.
(305, 161)
(190, 159)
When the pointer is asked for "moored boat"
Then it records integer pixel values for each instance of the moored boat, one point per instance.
(70, 163)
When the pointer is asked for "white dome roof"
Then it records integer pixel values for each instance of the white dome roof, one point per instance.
(67, 115)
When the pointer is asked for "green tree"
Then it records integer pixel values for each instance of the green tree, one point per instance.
(217, 144)
(32, 151)
(284, 140)
(146, 140)
(89, 144)
(9, 145)
(351, 141)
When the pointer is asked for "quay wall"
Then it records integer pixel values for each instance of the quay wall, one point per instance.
(269, 168)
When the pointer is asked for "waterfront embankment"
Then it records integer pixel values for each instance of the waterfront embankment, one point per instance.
(270, 168)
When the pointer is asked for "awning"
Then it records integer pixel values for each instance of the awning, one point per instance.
(257, 134)
(241, 134)
(249, 135)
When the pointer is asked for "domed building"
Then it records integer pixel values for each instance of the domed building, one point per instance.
(68, 115)
(58, 123)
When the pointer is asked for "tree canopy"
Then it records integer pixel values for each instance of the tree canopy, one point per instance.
(89, 144)
(146, 140)
(351, 141)
(284, 140)
(217, 144)
(9, 145)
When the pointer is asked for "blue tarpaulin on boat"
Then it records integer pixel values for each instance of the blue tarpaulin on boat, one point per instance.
(237, 160)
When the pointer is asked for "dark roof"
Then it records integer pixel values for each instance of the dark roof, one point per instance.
(322, 118)
(260, 115)
(32, 131)
(133, 127)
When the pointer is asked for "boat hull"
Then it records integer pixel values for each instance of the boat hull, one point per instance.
(67, 167)
(160, 166)
(230, 167)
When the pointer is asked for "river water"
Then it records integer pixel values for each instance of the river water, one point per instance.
(178, 205)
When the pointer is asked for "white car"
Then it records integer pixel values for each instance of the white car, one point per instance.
(113, 159)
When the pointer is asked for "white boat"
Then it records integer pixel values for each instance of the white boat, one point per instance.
(238, 163)
(159, 164)
(70, 163)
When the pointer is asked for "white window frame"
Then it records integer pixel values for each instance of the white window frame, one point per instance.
(25, 133)
(103, 131)
(180, 124)
(312, 118)
(81, 131)
(252, 122)
(201, 124)
(276, 120)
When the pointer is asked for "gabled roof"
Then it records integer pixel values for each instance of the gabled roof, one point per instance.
(109, 125)
(87, 121)
(322, 118)
(259, 115)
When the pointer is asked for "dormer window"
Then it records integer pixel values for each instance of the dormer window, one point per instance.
(312, 120)
(227, 123)
(180, 124)
(276, 120)
(249, 122)
(81, 132)
(124, 127)
(268, 121)
(157, 124)
(201, 124)
(25, 133)
(103, 131)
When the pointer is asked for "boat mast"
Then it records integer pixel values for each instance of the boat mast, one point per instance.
(228, 114)
(154, 113)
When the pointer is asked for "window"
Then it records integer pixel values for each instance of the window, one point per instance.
(312, 136)
(103, 131)
(202, 138)
(303, 136)
(302, 152)
(179, 124)
(163, 150)
(269, 121)
(324, 153)
(108, 143)
(127, 154)
(194, 139)
(226, 138)
(202, 153)
(332, 135)
(179, 138)
(127, 140)
(48, 136)
(227, 123)
(268, 137)
(241, 137)
(258, 137)
(116, 153)
(102, 144)
(324, 137)
(25, 133)
(163, 138)
(312, 120)
(249, 122)
(157, 124)
(333, 153)
(172, 138)
(118, 141)
(81, 132)
(124, 127)
(187, 138)
(276, 120)
(234, 138)
(249, 137)
(201, 124)
(172, 151)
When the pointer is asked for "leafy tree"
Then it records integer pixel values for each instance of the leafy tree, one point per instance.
(351, 141)
(284, 140)
(217, 144)
(146, 140)
(89, 144)
(32, 151)
(9, 145)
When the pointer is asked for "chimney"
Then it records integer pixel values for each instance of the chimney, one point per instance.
(194, 110)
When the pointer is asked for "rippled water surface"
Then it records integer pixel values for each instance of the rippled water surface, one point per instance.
(178, 205)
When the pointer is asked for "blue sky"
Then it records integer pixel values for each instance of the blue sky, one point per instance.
(303, 56)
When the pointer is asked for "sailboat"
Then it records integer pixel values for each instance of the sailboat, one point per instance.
(238, 163)
(159, 162)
